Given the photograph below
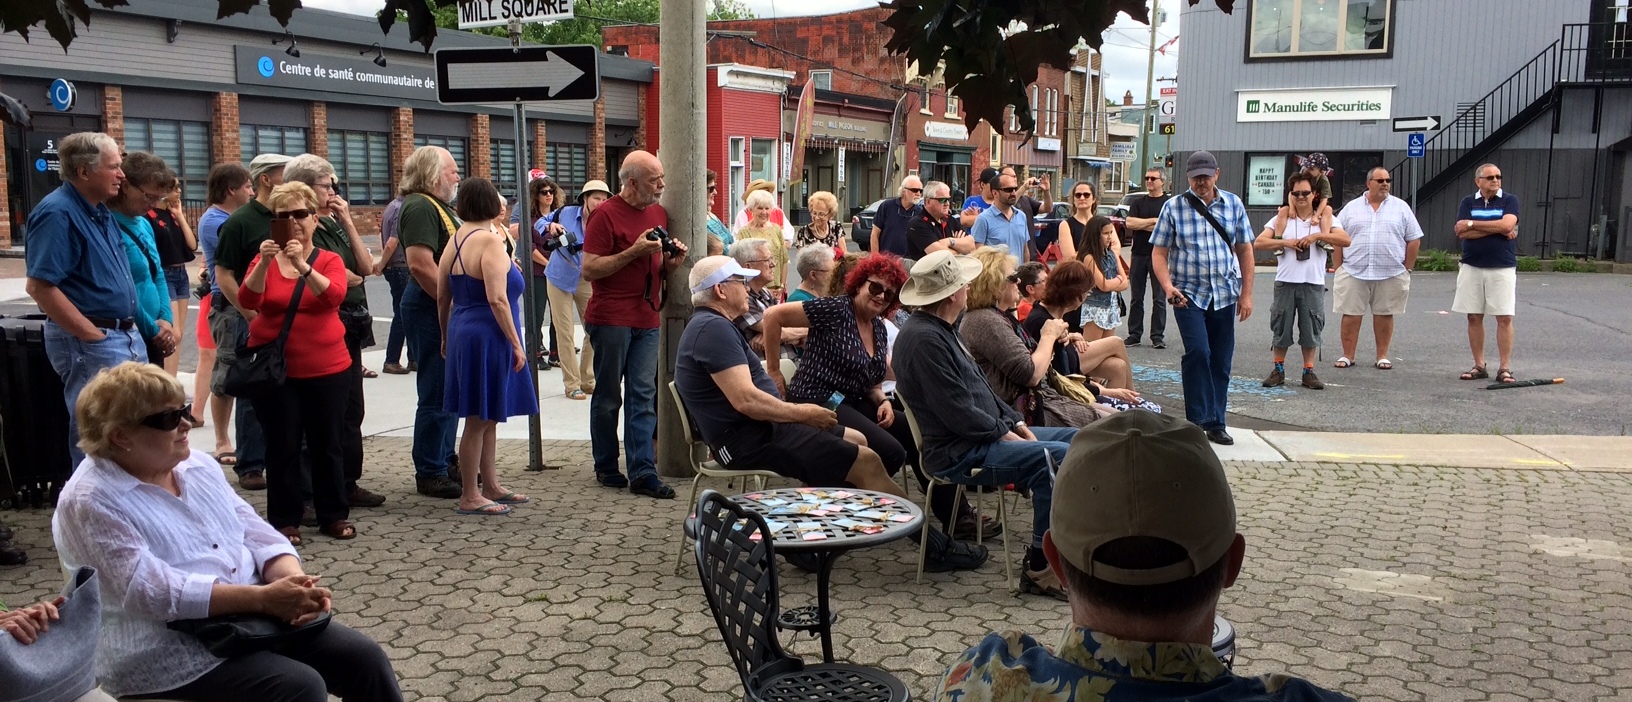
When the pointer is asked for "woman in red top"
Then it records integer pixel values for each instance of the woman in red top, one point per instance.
(310, 407)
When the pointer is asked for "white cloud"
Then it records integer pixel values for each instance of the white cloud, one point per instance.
(355, 7)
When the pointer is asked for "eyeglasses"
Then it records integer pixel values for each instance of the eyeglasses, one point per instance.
(763, 260)
(915, 191)
(151, 198)
(735, 279)
(324, 186)
(1302, 193)
(1153, 177)
(168, 420)
(294, 214)
(942, 200)
(1498, 176)
(1384, 181)
(1010, 189)
(1084, 196)
(877, 289)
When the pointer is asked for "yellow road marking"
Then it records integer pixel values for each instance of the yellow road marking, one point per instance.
(1359, 455)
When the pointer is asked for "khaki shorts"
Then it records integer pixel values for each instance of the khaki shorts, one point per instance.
(1353, 296)
(1492, 291)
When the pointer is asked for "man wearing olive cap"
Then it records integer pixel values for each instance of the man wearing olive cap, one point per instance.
(1145, 539)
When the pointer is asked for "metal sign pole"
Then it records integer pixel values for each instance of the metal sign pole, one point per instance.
(533, 338)
(1416, 181)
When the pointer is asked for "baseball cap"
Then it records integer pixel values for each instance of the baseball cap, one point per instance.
(713, 270)
(1147, 475)
(989, 176)
(266, 163)
(1201, 163)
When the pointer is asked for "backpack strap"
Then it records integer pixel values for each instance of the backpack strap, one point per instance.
(1201, 209)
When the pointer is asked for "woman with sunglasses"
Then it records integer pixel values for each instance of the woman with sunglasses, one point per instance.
(715, 226)
(147, 181)
(1300, 278)
(547, 200)
(847, 353)
(1084, 225)
(310, 407)
(171, 540)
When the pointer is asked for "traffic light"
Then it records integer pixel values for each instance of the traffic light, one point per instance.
(1169, 160)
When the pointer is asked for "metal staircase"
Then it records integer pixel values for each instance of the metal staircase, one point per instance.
(1585, 55)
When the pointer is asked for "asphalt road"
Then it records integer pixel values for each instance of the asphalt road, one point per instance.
(1571, 325)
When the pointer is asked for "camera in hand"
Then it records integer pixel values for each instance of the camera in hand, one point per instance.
(661, 234)
(563, 241)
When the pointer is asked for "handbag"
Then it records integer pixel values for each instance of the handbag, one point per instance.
(233, 635)
(359, 324)
(259, 369)
(61, 665)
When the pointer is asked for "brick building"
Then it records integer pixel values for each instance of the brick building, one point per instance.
(172, 79)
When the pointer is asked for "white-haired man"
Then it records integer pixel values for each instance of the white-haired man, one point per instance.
(424, 225)
(895, 215)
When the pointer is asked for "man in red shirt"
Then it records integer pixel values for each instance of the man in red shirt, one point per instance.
(625, 264)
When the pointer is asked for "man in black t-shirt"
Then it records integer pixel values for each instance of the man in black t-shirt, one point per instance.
(894, 216)
(935, 228)
(1142, 214)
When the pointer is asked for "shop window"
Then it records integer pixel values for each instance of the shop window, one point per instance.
(454, 145)
(739, 176)
(951, 105)
(184, 146)
(762, 160)
(568, 165)
(254, 139)
(923, 98)
(1305, 28)
(823, 79)
(996, 158)
(363, 162)
(502, 159)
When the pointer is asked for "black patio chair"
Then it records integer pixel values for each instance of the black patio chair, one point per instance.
(738, 573)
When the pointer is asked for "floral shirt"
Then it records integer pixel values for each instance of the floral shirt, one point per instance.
(1092, 666)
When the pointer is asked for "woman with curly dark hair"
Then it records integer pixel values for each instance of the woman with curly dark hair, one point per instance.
(547, 198)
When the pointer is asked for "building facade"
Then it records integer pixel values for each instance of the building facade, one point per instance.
(1542, 89)
(170, 78)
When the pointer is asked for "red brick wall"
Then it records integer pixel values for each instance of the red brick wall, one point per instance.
(481, 155)
(538, 144)
(5, 198)
(402, 141)
(224, 136)
(597, 143)
(317, 138)
(113, 112)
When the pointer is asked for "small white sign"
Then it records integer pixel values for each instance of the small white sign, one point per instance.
(1264, 180)
(1048, 144)
(842, 167)
(1122, 151)
(945, 130)
(1166, 110)
(1314, 105)
(497, 13)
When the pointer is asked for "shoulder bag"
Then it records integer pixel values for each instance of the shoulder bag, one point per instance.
(1201, 209)
(259, 369)
(233, 635)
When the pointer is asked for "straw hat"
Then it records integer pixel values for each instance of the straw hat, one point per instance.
(937, 276)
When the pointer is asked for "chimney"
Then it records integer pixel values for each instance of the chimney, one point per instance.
(1127, 99)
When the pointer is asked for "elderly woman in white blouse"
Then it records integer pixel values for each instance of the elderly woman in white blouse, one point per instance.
(170, 540)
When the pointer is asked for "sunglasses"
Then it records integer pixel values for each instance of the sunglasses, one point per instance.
(877, 289)
(915, 191)
(942, 200)
(1010, 189)
(1492, 177)
(1384, 181)
(713, 188)
(1153, 177)
(168, 420)
(294, 214)
(1302, 193)
(1084, 196)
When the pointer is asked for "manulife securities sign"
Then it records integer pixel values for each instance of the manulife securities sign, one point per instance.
(1314, 105)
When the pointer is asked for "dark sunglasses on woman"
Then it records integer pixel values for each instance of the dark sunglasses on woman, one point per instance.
(167, 420)
(877, 289)
(293, 214)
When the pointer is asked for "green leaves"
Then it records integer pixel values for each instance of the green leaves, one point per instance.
(992, 50)
(59, 17)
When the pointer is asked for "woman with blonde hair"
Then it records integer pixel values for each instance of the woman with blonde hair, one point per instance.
(309, 408)
(823, 227)
(171, 541)
(760, 226)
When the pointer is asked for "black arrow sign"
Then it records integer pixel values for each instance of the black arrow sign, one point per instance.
(528, 74)
(1416, 124)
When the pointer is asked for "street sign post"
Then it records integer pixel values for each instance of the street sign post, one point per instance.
(497, 13)
(1416, 146)
(520, 74)
(1416, 124)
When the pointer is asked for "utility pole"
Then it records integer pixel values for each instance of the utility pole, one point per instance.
(684, 153)
(1145, 123)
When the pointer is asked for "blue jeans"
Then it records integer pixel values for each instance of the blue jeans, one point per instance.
(1028, 463)
(79, 361)
(1209, 350)
(433, 426)
(398, 280)
(624, 357)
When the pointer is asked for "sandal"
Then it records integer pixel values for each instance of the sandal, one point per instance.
(227, 458)
(1343, 362)
(576, 395)
(370, 374)
(1475, 373)
(291, 533)
(342, 530)
(1504, 376)
(1383, 364)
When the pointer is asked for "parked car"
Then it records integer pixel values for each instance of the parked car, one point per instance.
(1047, 225)
(1130, 197)
(1118, 214)
(861, 226)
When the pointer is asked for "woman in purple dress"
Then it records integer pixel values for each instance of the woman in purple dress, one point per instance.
(479, 302)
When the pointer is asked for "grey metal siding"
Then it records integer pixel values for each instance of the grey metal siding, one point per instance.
(441, 124)
(280, 113)
(361, 119)
(1445, 52)
(166, 104)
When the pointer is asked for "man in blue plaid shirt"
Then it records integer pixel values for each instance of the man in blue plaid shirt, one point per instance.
(1200, 265)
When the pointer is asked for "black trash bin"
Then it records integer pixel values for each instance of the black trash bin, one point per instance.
(35, 418)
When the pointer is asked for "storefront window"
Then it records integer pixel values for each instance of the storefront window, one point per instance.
(568, 164)
(184, 146)
(502, 164)
(255, 139)
(454, 145)
(762, 160)
(1267, 173)
(950, 167)
(1287, 28)
(363, 161)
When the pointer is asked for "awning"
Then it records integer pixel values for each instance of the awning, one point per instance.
(1093, 160)
(856, 145)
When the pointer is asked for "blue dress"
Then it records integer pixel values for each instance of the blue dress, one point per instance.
(480, 380)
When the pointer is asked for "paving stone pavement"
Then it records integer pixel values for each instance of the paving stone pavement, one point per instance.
(1389, 583)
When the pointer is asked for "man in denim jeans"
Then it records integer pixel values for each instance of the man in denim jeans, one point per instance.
(393, 265)
(970, 436)
(77, 271)
(625, 263)
(425, 223)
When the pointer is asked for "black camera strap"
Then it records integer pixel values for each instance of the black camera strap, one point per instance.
(1201, 209)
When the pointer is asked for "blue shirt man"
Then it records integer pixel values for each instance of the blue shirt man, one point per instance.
(1003, 223)
(1487, 222)
(1202, 269)
(77, 270)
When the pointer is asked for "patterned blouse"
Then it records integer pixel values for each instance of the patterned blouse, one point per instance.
(807, 236)
(1093, 666)
(835, 359)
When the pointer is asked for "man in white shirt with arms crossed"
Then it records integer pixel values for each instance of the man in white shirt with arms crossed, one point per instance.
(1375, 277)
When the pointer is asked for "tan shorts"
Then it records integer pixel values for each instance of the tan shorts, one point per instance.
(1353, 296)
(1492, 291)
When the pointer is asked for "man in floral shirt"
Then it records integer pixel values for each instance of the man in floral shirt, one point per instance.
(1145, 549)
